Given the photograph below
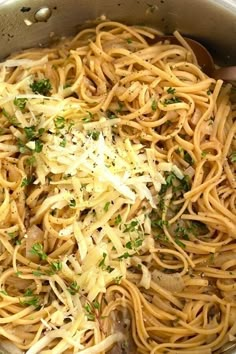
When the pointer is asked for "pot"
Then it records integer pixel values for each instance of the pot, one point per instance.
(24, 24)
(28, 23)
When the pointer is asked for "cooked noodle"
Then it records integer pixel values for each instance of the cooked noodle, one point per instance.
(118, 198)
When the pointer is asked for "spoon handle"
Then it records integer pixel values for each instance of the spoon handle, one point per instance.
(228, 73)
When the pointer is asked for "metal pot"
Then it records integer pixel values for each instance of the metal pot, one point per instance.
(28, 23)
(24, 24)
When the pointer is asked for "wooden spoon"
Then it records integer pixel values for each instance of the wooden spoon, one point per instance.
(205, 60)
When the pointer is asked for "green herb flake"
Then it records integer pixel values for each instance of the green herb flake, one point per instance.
(179, 243)
(88, 118)
(233, 157)
(63, 142)
(125, 256)
(111, 115)
(171, 90)
(188, 158)
(120, 107)
(67, 84)
(38, 146)
(34, 301)
(118, 279)
(59, 122)
(12, 234)
(27, 181)
(37, 249)
(37, 273)
(106, 206)
(154, 105)
(73, 288)
(101, 264)
(129, 40)
(131, 227)
(31, 160)
(203, 154)
(3, 292)
(30, 132)
(42, 87)
(118, 219)
(159, 223)
(94, 134)
(20, 103)
(172, 100)
(89, 312)
(72, 203)
(28, 292)
(12, 119)
(96, 304)
(56, 266)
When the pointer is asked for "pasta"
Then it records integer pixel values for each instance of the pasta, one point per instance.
(117, 203)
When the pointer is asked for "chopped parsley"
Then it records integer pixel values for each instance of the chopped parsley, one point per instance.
(111, 115)
(42, 87)
(131, 227)
(89, 312)
(154, 105)
(134, 244)
(102, 262)
(59, 122)
(118, 279)
(171, 90)
(37, 273)
(73, 288)
(20, 103)
(38, 146)
(63, 142)
(125, 256)
(31, 160)
(56, 266)
(30, 132)
(88, 118)
(159, 223)
(28, 292)
(233, 156)
(172, 100)
(106, 206)
(94, 134)
(188, 158)
(37, 249)
(12, 119)
(27, 181)
(34, 301)
(118, 219)
(129, 40)
(72, 203)
(96, 304)
(3, 292)
(179, 243)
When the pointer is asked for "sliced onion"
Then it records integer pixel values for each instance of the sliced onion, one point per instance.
(171, 282)
(196, 116)
(189, 171)
(34, 235)
(218, 261)
(8, 348)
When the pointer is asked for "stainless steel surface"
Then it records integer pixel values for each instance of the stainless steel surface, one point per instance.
(43, 14)
(27, 23)
(211, 21)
